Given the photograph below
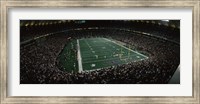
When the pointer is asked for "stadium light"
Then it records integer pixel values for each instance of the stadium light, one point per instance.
(27, 24)
(165, 20)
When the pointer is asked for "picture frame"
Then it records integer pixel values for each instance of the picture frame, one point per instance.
(4, 61)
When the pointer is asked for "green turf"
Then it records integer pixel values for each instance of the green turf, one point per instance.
(68, 57)
(101, 52)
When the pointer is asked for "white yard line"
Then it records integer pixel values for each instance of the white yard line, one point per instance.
(87, 43)
(126, 48)
(80, 67)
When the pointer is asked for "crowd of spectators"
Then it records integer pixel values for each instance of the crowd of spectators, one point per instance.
(38, 60)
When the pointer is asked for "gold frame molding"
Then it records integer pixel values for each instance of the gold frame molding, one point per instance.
(6, 4)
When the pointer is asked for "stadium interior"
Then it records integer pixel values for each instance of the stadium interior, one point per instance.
(99, 51)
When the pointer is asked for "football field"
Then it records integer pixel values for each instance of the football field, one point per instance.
(96, 53)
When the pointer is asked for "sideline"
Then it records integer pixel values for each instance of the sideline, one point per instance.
(126, 47)
(80, 67)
